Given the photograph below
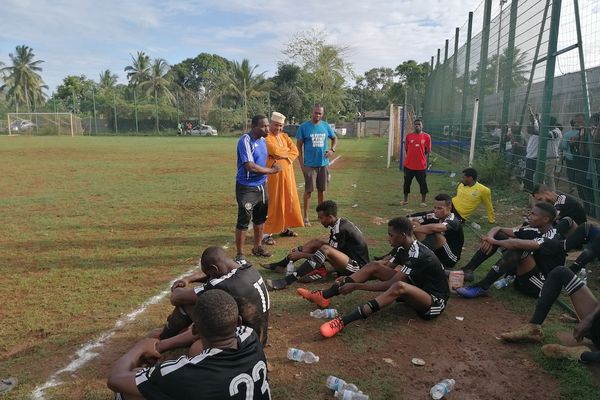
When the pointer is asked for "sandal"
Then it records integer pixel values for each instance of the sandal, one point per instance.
(306, 222)
(268, 240)
(7, 384)
(260, 252)
(288, 233)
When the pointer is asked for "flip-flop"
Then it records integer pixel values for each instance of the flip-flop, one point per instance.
(8, 384)
(288, 233)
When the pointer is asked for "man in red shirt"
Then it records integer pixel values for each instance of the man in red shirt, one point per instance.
(416, 147)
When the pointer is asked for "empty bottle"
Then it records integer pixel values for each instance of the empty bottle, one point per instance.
(475, 225)
(290, 268)
(441, 389)
(339, 385)
(325, 313)
(504, 282)
(301, 355)
(350, 395)
(583, 275)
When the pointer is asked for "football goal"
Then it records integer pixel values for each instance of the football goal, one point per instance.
(37, 123)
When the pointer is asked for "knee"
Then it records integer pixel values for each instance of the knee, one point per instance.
(398, 289)
(325, 249)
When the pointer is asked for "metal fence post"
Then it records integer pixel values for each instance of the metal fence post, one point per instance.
(508, 73)
(466, 78)
(483, 60)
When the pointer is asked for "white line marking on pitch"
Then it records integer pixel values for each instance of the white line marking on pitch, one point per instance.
(334, 160)
(86, 353)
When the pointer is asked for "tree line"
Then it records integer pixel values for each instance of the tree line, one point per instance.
(215, 90)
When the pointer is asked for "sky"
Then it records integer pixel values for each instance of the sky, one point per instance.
(87, 37)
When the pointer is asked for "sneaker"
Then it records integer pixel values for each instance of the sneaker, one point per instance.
(471, 292)
(558, 351)
(260, 252)
(306, 222)
(8, 384)
(240, 259)
(316, 296)
(423, 204)
(332, 328)
(315, 275)
(404, 202)
(276, 284)
(469, 275)
(530, 333)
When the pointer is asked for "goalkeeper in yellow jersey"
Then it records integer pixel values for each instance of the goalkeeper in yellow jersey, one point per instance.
(469, 194)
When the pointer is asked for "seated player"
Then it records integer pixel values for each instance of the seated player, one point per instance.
(586, 307)
(420, 281)
(233, 366)
(219, 271)
(346, 250)
(565, 204)
(441, 231)
(533, 251)
(469, 195)
(585, 233)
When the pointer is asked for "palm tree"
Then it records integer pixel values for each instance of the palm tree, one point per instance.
(107, 81)
(139, 70)
(158, 84)
(243, 83)
(22, 82)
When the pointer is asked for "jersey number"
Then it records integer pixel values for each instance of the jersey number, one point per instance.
(264, 294)
(249, 381)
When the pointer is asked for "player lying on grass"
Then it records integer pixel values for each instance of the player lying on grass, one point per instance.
(219, 271)
(532, 252)
(346, 251)
(233, 366)
(441, 231)
(419, 281)
(586, 307)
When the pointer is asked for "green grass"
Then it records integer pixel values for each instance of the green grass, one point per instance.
(94, 226)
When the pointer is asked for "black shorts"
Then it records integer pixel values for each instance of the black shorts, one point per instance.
(595, 331)
(252, 204)
(438, 305)
(351, 268)
(531, 283)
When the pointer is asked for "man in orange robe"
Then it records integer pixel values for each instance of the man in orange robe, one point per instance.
(284, 204)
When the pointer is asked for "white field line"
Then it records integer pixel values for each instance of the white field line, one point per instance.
(86, 352)
(334, 160)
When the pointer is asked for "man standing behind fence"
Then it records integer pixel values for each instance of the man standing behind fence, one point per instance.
(417, 146)
(314, 155)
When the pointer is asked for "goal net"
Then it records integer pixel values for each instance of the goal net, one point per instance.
(44, 124)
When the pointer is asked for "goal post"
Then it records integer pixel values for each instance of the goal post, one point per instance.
(401, 119)
(40, 124)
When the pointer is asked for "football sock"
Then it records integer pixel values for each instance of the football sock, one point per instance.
(590, 356)
(334, 290)
(315, 261)
(281, 263)
(361, 312)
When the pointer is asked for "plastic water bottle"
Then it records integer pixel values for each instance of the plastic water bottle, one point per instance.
(290, 268)
(350, 395)
(475, 225)
(504, 282)
(339, 385)
(325, 313)
(442, 389)
(583, 275)
(301, 355)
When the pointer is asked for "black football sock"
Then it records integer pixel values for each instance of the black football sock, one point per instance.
(582, 260)
(334, 290)
(361, 312)
(558, 278)
(590, 356)
(478, 258)
(315, 261)
(281, 263)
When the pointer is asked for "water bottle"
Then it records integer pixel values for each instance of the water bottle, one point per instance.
(290, 268)
(326, 313)
(504, 282)
(339, 385)
(583, 275)
(475, 225)
(442, 389)
(350, 395)
(301, 355)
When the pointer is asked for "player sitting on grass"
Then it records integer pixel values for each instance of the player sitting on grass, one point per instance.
(219, 271)
(233, 366)
(346, 250)
(441, 231)
(419, 281)
(586, 306)
(530, 268)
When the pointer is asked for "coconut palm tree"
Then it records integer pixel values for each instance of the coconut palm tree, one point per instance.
(107, 81)
(157, 83)
(243, 83)
(139, 70)
(22, 82)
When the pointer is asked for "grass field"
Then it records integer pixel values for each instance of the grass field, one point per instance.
(94, 227)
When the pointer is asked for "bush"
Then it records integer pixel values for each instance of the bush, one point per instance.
(492, 169)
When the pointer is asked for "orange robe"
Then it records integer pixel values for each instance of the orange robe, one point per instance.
(284, 204)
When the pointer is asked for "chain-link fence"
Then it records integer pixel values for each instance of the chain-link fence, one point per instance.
(522, 78)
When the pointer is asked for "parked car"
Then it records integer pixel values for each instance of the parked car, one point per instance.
(291, 129)
(204, 130)
(21, 125)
